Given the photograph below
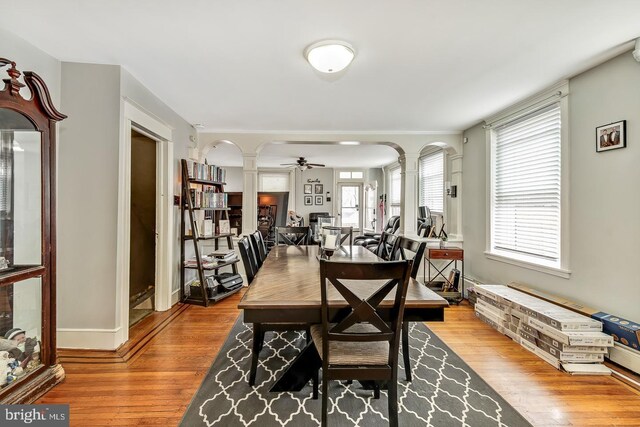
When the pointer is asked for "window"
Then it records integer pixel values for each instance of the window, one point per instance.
(394, 192)
(526, 187)
(351, 175)
(431, 169)
(273, 181)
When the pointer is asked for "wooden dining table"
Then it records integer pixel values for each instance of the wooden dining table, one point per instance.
(286, 289)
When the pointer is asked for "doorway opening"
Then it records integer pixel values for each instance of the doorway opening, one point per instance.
(143, 229)
(349, 205)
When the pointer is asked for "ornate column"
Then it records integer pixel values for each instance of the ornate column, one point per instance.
(250, 193)
(409, 193)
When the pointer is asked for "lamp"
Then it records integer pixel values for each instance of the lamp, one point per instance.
(330, 56)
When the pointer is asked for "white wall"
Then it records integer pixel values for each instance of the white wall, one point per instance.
(325, 175)
(604, 201)
(234, 179)
(88, 196)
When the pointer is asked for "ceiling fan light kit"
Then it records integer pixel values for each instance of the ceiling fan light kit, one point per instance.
(303, 164)
(330, 56)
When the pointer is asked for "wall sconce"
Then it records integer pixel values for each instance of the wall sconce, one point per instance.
(328, 197)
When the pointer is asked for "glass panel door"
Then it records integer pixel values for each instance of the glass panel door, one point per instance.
(370, 208)
(350, 206)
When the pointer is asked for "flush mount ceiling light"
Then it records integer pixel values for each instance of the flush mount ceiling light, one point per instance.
(330, 56)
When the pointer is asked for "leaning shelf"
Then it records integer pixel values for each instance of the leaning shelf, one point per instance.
(213, 195)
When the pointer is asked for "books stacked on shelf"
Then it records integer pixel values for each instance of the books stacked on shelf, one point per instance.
(561, 337)
(204, 172)
(208, 262)
(223, 255)
(207, 198)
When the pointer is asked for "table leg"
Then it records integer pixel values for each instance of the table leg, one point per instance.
(300, 371)
(405, 350)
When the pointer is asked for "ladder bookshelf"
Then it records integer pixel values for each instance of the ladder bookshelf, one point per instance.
(203, 190)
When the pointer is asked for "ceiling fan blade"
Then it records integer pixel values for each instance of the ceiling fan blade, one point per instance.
(318, 165)
(288, 164)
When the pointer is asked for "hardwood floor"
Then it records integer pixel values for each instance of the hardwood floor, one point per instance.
(156, 385)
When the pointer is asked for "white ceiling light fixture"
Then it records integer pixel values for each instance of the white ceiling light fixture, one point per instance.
(330, 56)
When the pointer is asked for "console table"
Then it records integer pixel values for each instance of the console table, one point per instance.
(451, 254)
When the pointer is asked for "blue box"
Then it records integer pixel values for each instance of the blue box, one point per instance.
(623, 331)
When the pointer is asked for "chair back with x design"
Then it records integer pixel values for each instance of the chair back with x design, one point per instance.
(297, 236)
(352, 280)
(387, 246)
(404, 245)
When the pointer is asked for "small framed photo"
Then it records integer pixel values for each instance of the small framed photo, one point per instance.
(611, 136)
(319, 199)
(308, 200)
(307, 189)
(319, 190)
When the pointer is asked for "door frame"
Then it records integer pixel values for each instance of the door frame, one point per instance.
(360, 186)
(135, 118)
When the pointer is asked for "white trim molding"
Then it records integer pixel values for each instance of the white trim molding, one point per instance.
(555, 94)
(133, 117)
(94, 339)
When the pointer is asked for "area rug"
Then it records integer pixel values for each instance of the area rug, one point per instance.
(444, 390)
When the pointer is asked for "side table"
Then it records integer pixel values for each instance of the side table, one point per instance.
(453, 255)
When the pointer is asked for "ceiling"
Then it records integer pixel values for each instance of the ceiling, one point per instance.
(331, 155)
(430, 65)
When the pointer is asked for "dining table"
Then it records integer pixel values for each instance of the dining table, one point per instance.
(286, 289)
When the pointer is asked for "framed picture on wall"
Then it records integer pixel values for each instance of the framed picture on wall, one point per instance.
(611, 136)
(307, 189)
(318, 190)
(308, 200)
(319, 199)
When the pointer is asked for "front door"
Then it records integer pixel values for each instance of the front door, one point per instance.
(349, 208)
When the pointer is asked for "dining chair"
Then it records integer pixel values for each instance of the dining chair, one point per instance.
(257, 243)
(386, 247)
(297, 236)
(259, 329)
(248, 258)
(361, 345)
(404, 245)
(346, 233)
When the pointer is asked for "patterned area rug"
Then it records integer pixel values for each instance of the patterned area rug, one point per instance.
(444, 390)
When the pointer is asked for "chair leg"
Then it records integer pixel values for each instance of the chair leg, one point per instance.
(258, 336)
(315, 380)
(307, 335)
(393, 401)
(405, 350)
(325, 400)
(376, 390)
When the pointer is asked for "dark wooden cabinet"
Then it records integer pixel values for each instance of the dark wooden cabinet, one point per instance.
(27, 238)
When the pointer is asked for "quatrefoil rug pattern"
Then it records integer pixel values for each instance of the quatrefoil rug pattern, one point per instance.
(444, 390)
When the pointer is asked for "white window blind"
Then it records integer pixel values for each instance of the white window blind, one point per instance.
(431, 168)
(395, 190)
(526, 185)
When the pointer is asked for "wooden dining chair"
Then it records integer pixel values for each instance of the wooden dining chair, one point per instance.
(248, 258)
(386, 247)
(361, 345)
(402, 251)
(297, 236)
(346, 233)
(257, 243)
(259, 329)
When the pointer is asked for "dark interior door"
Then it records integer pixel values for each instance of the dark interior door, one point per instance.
(143, 218)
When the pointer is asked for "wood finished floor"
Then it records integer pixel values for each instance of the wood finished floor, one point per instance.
(156, 386)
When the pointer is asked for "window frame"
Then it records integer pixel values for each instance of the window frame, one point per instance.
(556, 94)
(391, 204)
(444, 180)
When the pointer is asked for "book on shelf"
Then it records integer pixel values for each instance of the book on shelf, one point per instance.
(204, 172)
(207, 261)
(224, 226)
(207, 198)
(223, 254)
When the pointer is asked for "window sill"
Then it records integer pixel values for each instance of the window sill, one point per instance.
(555, 271)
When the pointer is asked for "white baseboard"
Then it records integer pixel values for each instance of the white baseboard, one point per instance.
(626, 357)
(175, 297)
(90, 339)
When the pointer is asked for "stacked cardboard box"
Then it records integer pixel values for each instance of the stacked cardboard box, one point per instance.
(561, 337)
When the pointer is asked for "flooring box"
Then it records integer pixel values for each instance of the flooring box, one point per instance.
(572, 357)
(561, 301)
(586, 338)
(571, 348)
(623, 331)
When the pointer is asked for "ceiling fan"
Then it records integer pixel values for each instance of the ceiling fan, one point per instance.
(303, 164)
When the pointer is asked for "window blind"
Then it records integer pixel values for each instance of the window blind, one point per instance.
(431, 168)
(273, 182)
(526, 185)
(395, 190)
